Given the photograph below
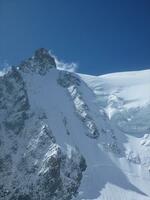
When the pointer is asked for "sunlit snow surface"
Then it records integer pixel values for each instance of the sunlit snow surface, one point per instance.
(117, 102)
(120, 90)
(126, 100)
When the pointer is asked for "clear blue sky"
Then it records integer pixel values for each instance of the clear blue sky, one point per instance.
(103, 36)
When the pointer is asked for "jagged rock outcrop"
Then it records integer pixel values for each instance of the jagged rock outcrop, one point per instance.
(40, 63)
(13, 101)
(71, 82)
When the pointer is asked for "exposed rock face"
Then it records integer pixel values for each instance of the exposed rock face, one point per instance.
(71, 82)
(40, 63)
(13, 101)
(32, 165)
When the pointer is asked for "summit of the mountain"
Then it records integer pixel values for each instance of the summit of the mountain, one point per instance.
(40, 62)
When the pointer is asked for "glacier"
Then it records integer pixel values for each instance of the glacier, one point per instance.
(65, 135)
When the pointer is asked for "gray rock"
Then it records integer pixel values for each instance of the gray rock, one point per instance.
(40, 63)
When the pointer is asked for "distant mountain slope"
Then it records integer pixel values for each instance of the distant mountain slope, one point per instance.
(72, 136)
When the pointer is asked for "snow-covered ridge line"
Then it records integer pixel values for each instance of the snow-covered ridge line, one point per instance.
(127, 73)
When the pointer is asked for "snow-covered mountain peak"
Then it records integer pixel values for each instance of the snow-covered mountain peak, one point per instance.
(70, 136)
(39, 63)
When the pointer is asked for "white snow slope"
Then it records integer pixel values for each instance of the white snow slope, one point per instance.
(117, 103)
(107, 119)
(125, 97)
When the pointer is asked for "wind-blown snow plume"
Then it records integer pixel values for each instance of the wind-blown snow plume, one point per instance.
(61, 65)
(71, 67)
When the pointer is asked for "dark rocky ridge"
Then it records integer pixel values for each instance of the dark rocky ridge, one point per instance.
(40, 63)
